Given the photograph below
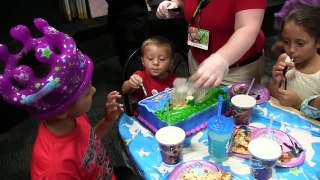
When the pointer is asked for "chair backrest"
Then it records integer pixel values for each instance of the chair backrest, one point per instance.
(180, 68)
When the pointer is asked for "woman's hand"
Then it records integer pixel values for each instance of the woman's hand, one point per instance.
(163, 11)
(210, 72)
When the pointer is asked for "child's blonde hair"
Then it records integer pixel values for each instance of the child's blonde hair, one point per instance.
(157, 41)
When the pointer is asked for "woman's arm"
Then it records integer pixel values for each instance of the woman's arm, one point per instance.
(216, 66)
(247, 27)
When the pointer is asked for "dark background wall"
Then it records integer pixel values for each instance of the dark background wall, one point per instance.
(15, 12)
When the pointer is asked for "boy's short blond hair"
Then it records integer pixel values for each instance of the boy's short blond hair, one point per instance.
(157, 41)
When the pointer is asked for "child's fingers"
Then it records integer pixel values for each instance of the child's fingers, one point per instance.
(138, 79)
(113, 96)
(134, 84)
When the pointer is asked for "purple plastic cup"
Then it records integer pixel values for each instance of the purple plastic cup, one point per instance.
(242, 106)
(264, 154)
(170, 140)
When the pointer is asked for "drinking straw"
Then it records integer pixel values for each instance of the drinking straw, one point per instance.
(251, 84)
(270, 133)
(142, 86)
(168, 117)
(143, 89)
(284, 72)
(219, 106)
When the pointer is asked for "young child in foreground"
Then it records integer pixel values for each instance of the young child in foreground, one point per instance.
(51, 78)
(157, 59)
(300, 34)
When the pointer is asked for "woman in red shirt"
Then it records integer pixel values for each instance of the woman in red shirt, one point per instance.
(235, 40)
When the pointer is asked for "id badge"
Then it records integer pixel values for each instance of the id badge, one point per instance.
(198, 38)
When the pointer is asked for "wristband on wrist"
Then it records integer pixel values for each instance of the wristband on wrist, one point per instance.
(308, 110)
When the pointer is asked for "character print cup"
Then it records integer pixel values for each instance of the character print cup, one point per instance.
(264, 154)
(242, 106)
(170, 139)
(220, 130)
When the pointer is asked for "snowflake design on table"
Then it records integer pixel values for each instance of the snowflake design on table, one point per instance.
(163, 168)
(262, 110)
(143, 153)
(134, 129)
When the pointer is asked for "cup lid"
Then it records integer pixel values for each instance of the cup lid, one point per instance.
(243, 101)
(264, 148)
(170, 135)
(220, 124)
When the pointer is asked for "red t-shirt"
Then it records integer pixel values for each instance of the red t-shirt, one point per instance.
(152, 85)
(79, 154)
(219, 17)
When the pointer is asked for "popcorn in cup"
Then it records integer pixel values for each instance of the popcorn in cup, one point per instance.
(170, 139)
(242, 106)
(264, 154)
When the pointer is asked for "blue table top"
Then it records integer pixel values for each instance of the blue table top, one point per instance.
(145, 154)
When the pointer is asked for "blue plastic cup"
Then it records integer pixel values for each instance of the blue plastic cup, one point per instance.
(220, 130)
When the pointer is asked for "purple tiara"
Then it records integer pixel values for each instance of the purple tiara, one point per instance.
(68, 78)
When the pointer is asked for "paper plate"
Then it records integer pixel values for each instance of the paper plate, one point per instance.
(198, 166)
(250, 128)
(287, 143)
(258, 91)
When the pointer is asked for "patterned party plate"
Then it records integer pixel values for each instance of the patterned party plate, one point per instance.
(292, 152)
(258, 91)
(197, 168)
(241, 137)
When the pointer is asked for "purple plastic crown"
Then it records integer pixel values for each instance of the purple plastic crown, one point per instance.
(69, 75)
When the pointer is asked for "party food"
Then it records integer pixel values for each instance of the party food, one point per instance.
(207, 174)
(285, 157)
(241, 139)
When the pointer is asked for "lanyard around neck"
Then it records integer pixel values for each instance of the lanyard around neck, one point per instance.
(201, 5)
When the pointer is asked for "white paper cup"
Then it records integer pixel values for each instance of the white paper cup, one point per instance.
(242, 106)
(170, 139)
(264, 155)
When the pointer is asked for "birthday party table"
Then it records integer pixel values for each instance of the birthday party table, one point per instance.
(145, 154)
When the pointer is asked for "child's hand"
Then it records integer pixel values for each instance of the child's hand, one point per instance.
(277, 71)
(289, 98)
(112, 108)
(135, 81)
